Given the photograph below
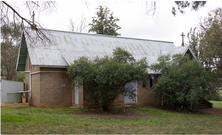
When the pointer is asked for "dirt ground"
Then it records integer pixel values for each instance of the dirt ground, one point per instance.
(211, 110)
(14, 104)
(123, 113)
(130, 114)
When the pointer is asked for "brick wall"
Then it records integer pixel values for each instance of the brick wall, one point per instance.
(35, 100)
(144, 95)
(119, 101)
(51, 87)
(55, 88)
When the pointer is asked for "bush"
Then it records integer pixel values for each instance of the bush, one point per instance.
(183, 83)
(20, 76)
(103, 79)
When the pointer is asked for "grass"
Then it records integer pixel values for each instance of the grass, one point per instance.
(28, 120)
(216, 104)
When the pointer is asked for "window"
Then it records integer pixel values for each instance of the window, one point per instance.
(151, 82)
(132, 87)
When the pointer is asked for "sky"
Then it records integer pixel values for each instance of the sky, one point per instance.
(135, 22)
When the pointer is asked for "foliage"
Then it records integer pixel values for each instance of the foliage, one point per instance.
(9, 49)
(104, 79)
(206, 42)
(20, 76)
(183, 82)
(10, 12)
(193, 38)
(104, 23)
(181, 5)
(211, 44)
(215, 96)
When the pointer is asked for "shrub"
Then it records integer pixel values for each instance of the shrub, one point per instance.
(104, 79)
(20, 76)
(183, 83)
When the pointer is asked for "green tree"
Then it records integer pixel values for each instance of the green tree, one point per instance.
(104, 23)
(183, 83)
(9, 49)
(210, 47)
(181, 5)
(103, 79)
(193, 37)
(20, 76)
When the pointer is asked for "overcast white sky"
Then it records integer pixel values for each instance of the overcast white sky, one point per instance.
(134, 21)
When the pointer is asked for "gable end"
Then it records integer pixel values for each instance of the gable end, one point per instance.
(22, 55)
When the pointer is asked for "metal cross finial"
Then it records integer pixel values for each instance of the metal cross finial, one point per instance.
(182, 38)
(33, 26)
(33, 17)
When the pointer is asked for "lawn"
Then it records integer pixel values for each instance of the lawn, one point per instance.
(138, 120)
(216, 104)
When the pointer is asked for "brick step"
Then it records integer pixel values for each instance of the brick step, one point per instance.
(74, 106)
(130, 105)
(204, 104)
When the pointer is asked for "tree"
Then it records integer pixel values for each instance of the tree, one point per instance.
(206, 42)
(104, 23)
(103, 79)
(9, 50)
(78, 28)
(183, 83)
(181, 5)
(193, 38)
(210, 46)
(20, 76)
(11, 13)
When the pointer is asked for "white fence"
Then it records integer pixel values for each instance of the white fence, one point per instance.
(9, 88)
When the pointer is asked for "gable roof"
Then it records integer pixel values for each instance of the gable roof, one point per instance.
(182, 50)
(65, 47)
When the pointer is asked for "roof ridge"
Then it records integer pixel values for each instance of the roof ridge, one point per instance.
(103, 35)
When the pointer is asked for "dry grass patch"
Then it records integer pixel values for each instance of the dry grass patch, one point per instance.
(14, 104)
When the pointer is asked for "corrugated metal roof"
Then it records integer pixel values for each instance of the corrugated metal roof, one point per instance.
(65, 47)
(179, 50)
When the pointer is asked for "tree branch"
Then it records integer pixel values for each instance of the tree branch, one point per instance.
(31, 6)
(27, 21)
